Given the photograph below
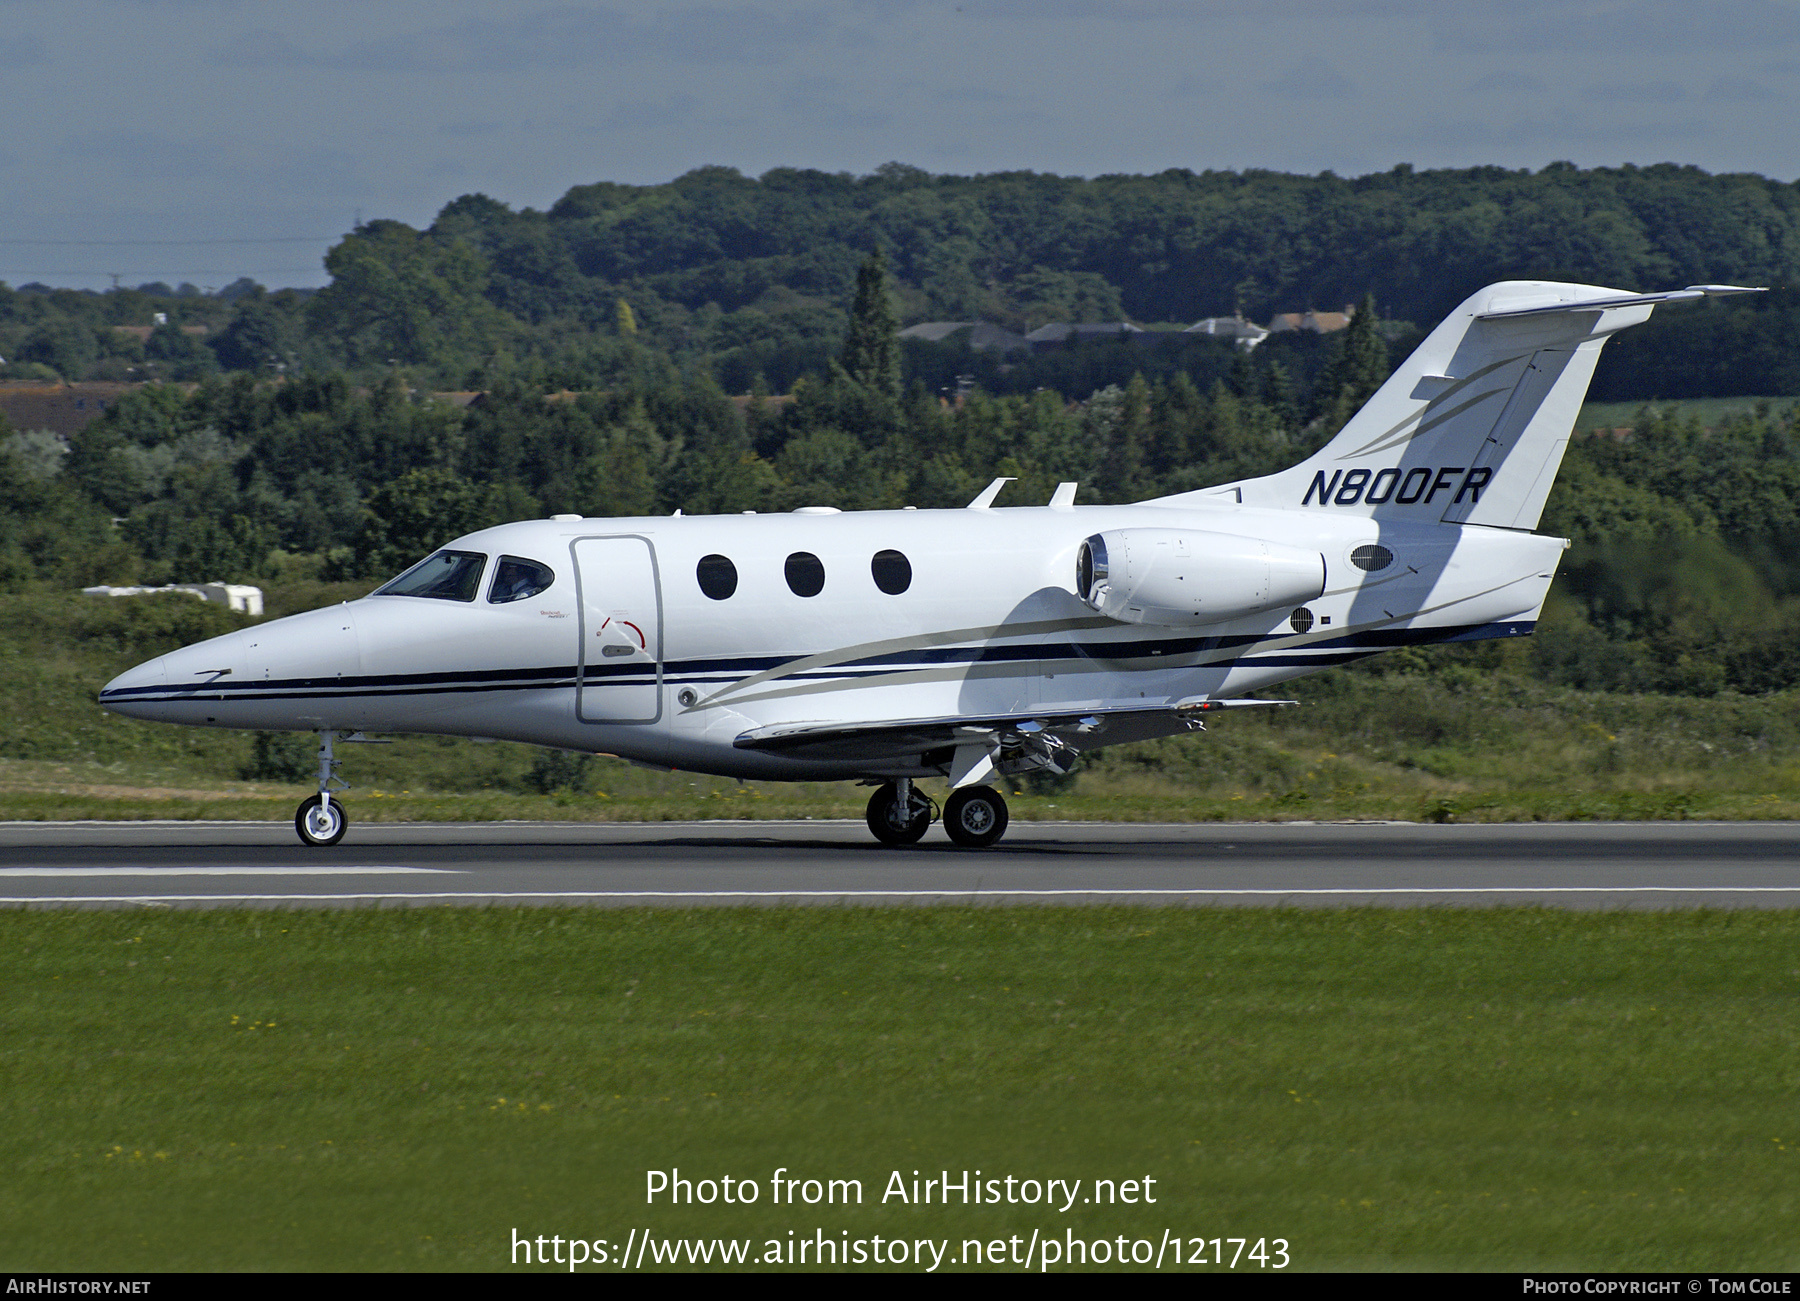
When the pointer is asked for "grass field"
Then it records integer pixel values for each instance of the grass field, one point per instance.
(1453, 734)
(1499, 1089)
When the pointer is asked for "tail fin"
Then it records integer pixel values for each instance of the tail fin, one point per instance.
(1472, 427)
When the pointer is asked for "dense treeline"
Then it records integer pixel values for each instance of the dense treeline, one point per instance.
(746, 278)
(1683, 579)
(314, 436)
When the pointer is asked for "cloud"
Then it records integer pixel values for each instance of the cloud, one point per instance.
(1507, 83)
(1737, 90)
(816, 100)
(20, 51)
(261, 49)
(468, 130)
(1194, 85)
(1561, 137)
(1311, 78)
(644, 114)
(1657, 26)
(1653, 92)
(211, 160)
(1183, 11)
(574, 36)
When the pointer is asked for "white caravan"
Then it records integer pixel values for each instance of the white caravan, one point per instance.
(889, 646)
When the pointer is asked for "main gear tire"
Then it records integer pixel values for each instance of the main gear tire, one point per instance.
(893, 825)
(975, 816)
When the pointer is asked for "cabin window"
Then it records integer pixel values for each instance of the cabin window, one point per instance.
(805, 573)
(892, 571)
(1372, 557)
(717, 576)
(443, 575)
(517, 578)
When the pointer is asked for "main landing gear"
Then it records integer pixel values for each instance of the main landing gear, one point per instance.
(321, 820)
(899, 813)
(974, 816)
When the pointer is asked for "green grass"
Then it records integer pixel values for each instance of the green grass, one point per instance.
(1498, 1089)
(1445, 734)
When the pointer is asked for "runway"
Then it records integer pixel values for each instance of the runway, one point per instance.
(261, 865)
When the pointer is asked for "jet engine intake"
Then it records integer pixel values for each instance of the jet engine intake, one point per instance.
(1177, 578)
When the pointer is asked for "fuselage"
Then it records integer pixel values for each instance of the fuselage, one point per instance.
(829, 618)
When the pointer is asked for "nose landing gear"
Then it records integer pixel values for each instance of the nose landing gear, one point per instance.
(320, 819)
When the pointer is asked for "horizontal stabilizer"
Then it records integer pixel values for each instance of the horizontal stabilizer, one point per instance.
(1691, 294)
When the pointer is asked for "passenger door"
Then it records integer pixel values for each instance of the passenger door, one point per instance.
(620, 663)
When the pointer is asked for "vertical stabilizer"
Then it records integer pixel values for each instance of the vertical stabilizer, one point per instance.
(1472, 427)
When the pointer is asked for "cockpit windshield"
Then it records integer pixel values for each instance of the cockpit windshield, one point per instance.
(445, 575)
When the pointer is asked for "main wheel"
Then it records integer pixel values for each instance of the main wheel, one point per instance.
(893, 825)
(975, 816)
(319, 823)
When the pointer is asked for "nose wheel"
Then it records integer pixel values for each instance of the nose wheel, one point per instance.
(319, 823)
(320, 819)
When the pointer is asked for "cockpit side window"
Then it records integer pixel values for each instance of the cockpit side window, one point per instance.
(443, 575)
(516, 578)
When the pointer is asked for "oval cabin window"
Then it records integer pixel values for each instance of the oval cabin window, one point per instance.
(805, 573)
(717, 576)
(892, 571)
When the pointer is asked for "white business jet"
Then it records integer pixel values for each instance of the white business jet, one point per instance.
(970, 645)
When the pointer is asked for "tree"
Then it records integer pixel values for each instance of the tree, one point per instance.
(255, 339)
(1358, 366)
(397, 295)
(67, 346)
(871, 354)
(178, 355)
(404, 521)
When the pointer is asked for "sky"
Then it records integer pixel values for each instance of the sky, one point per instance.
(203, 140)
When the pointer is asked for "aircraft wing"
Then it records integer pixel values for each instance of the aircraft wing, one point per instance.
(1064, 727)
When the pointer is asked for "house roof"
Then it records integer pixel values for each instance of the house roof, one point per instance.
(63, 409)
(984, 336)
(1063, 331)
(1229, 327)
(1317, 322)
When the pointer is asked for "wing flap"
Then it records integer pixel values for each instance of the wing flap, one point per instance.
(1070, 724)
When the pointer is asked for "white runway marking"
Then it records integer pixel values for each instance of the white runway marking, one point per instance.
(333, 870)
(945, 895)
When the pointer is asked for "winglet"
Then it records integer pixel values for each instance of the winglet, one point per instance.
(1064, 497)
(990, 492)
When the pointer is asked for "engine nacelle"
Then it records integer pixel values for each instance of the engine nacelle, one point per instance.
(1177, 578)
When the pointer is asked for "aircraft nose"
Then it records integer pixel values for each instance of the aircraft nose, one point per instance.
(136, 692)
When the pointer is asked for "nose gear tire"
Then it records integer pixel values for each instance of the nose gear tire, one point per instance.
(319, 824)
